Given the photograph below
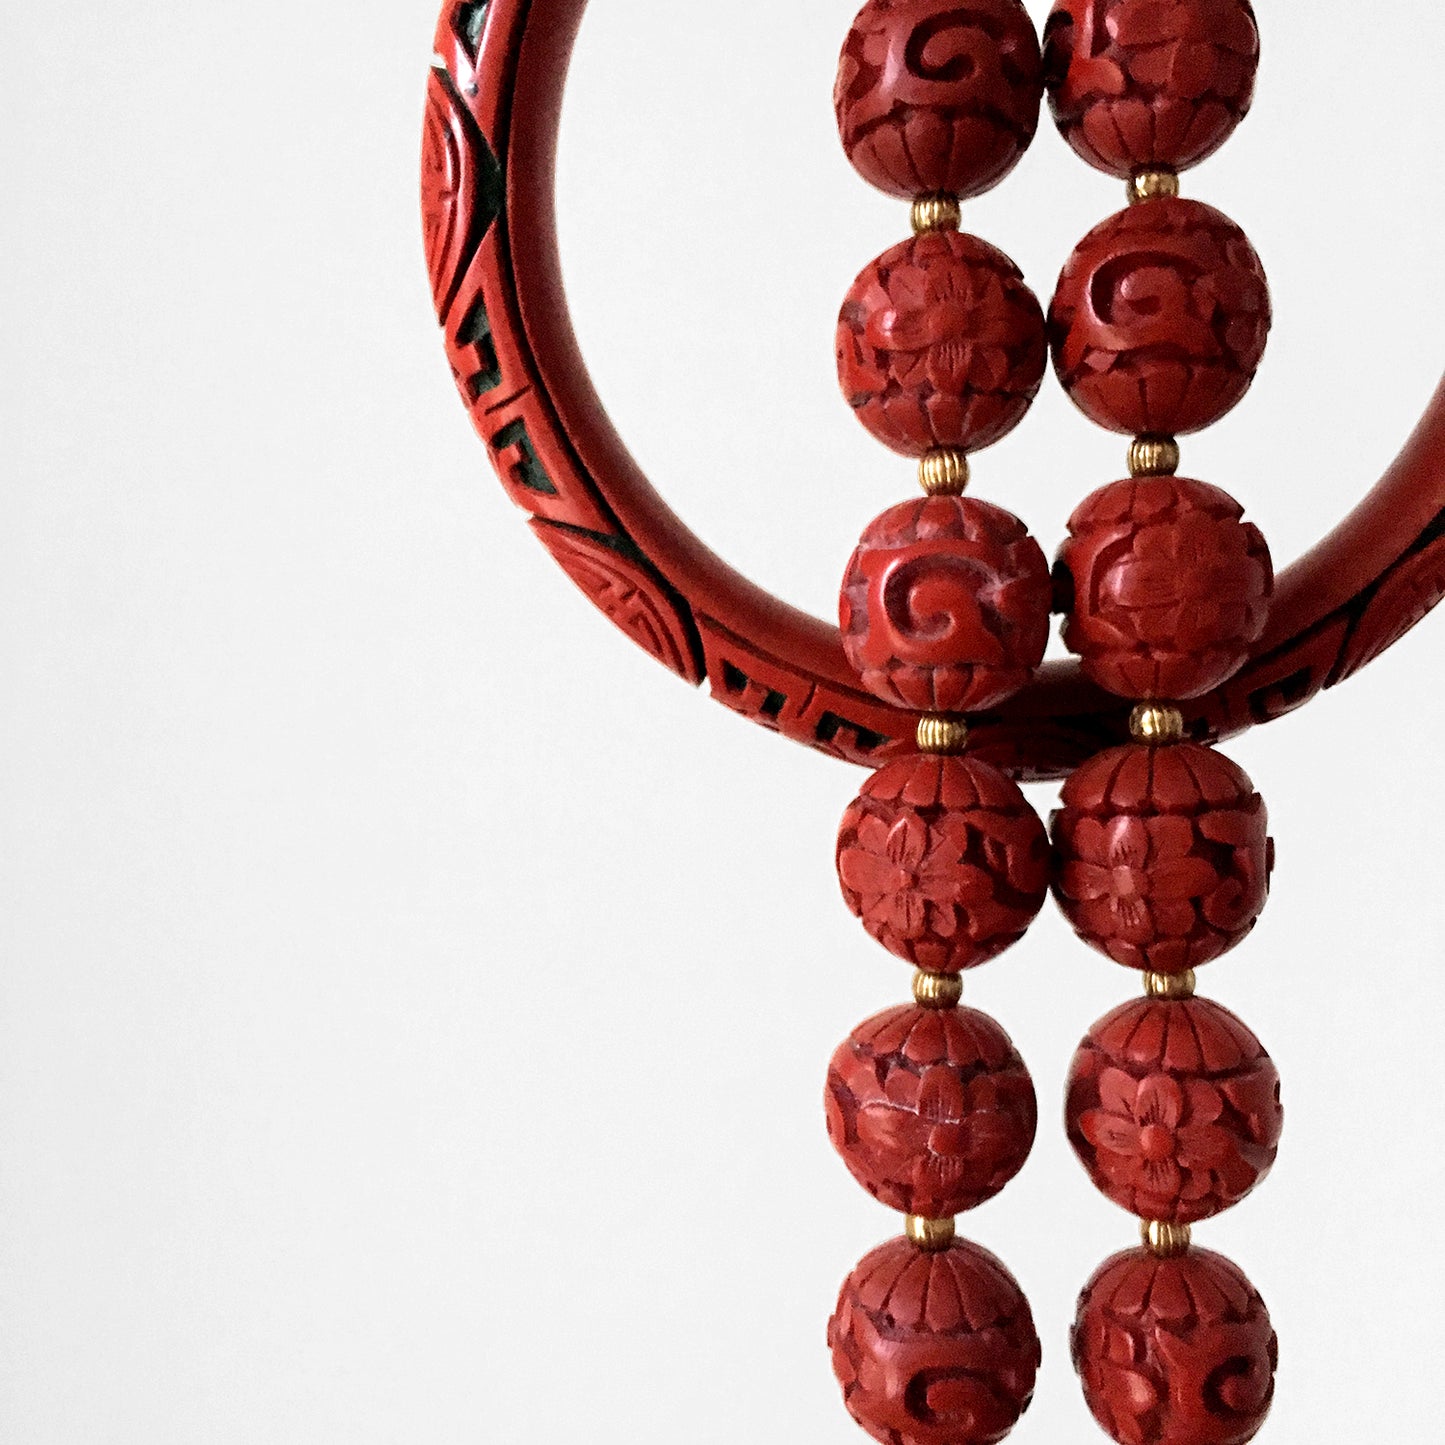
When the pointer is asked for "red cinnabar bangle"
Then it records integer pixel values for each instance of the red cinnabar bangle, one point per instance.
(1159, 854)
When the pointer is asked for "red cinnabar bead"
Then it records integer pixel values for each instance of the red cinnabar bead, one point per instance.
(940, 344)
(1144, 84)
(934, 1349)
(1160, 318)
(932, 1110)
(1170, 587)
(1173, 1108)
(1175, 1351)
(945, 605)
(944, 861)
(1162, 855)
(937, 96)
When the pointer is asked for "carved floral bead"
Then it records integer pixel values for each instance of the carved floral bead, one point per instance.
(940, 344)
(1170, 587)
(1175, 1351)
(934, 1348)
(1162, 855)
(935, 96)
(933, 1111)
(1173, 1108)
(944, 861)
(1138, 84)
(945, 605)
(1160, 318)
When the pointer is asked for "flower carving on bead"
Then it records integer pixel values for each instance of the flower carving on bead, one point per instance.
(943, 860)
(1170, 587)
(1171, 1131)
(933, 1111)
(940, 343)
(1139, 83)
(1162, 856)
(1145, 881)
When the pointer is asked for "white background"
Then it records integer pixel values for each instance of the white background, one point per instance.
(413, 1002)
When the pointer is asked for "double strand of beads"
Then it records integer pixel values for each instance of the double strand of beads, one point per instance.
(944, 611)
(1161, 852)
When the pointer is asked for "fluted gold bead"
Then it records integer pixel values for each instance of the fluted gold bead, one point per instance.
(937, 990)
(939, 734)
(1153, 457)
(943, 472)
(1156, 724)
(1152, 185)
(933, 1235)
(1170, 985)
(936, 213)
(1165, 1240)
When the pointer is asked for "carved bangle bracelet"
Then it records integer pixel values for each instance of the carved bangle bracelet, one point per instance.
(1159, 854)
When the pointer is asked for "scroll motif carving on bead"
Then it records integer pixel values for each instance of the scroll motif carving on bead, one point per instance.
(1160, 319)
(1175, 1351)
(934, 1349)
(1141, 83)
(938, 97)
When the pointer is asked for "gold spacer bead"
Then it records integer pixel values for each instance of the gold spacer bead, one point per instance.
(1156, 724)
(1170, 985)
(943, 472)
(936, 213)
(939, 734)
(1153, 185)
(1164, 1240)
(937, 990)
(1153, 457)
(932, 1235)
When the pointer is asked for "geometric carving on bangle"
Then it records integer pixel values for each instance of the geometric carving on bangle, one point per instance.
(1402, 598)
(819, 715)
(617, 579)
(1173, 1108)
(518, 457)
(463, 190)
(1175, 1351)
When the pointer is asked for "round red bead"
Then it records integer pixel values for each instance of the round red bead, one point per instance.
(945, 605)
(1162, 855)
(1160, 319)
(935, 96)
(1170, 588)
(944, 861)
(1175, 1351)
(941, 344)
(1138, 86)
(932, 1110)
(934, 1349)
(1173, 1108)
